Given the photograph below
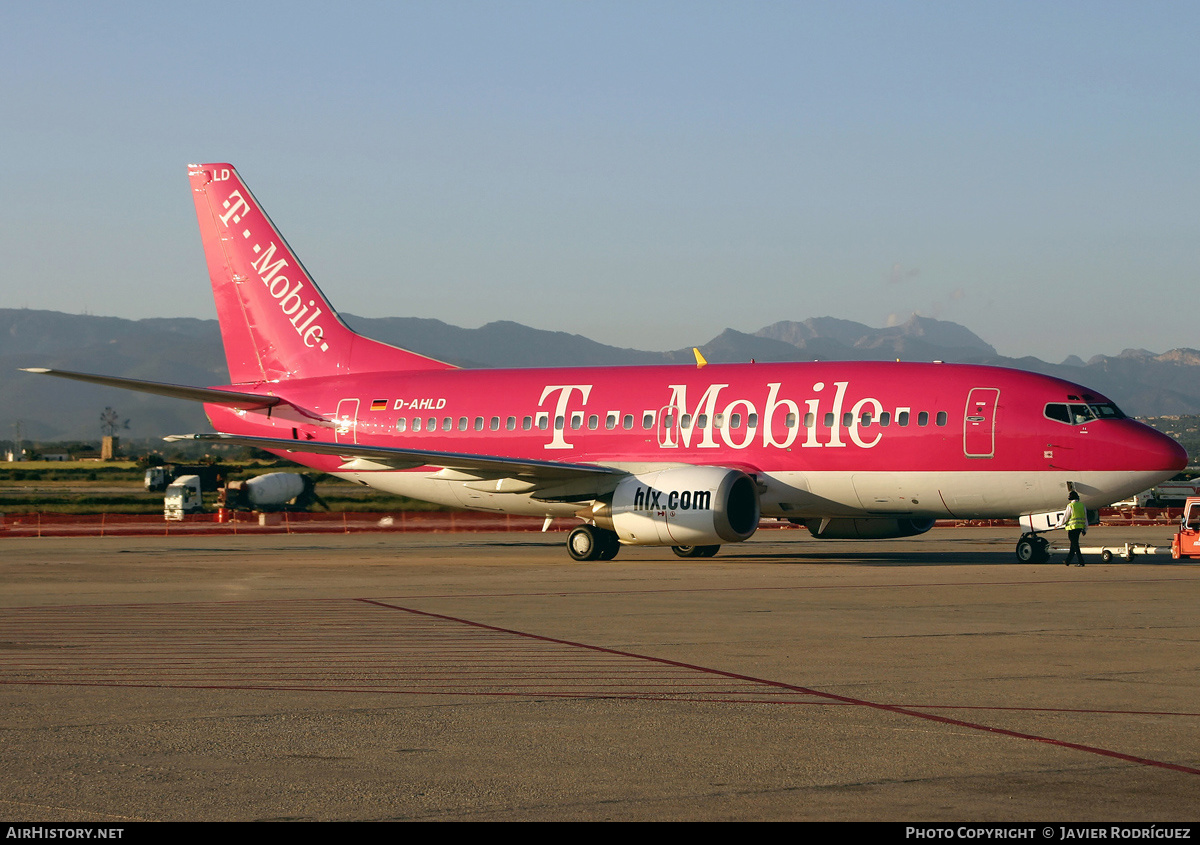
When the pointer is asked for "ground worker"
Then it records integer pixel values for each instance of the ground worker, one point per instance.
(1075, 521)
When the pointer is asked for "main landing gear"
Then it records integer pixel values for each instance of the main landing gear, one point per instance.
(1033, 549)
(587, 542)
(695, 551)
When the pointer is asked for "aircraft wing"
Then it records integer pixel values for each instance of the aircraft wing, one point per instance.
(214, 396)
(361, 457)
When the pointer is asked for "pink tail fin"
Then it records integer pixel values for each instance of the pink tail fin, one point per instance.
(275, 322)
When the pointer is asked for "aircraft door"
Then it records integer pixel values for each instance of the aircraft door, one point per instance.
(346, 428)
(979, 422)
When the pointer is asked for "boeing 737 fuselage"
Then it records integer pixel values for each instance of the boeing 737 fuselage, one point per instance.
(685, 456)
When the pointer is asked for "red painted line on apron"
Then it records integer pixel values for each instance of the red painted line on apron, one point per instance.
(889, 708)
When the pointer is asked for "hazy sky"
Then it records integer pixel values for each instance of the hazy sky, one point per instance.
(646, 174)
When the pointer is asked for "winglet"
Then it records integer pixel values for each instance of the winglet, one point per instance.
(700, 362)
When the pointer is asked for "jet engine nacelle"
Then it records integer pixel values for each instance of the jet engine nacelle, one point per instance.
(867, 529)
(682, 506)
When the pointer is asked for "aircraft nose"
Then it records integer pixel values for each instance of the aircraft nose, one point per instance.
(1156, 451)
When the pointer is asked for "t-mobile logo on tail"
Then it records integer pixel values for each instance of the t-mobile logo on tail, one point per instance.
(289, 295)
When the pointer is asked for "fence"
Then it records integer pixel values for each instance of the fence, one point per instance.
(116, 525)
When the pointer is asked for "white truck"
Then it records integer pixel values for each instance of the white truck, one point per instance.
(183, 496)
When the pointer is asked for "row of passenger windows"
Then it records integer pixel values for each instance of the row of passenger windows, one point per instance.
(627, 421)
(510, 423)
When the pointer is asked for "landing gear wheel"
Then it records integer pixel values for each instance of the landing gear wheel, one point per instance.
(610, 544)
(695, 551)
(1032, 549)
(584, 543)
(587, 542)
(1025, 550)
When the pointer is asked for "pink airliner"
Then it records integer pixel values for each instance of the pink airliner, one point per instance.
(690, 457)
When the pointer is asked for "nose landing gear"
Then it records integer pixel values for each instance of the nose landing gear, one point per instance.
(1032, 549)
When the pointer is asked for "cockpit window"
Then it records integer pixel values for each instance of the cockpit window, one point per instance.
(1056, 411)
(1106, 411)
(1080, 414)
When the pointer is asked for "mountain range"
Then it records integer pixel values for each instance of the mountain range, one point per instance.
(188, 351)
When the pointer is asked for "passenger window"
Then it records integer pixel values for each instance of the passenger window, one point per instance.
(495, 426)
(902, 418)
(526, 423)
(511, 423)
(462, 423)
(627, 423)
(789, 421)
(447, 424)
(847, 419)
(559, 423)
(941, 417)
(735, 421)
(866, 421)
(923, 418)
(829, 420)
(718, 420)
(576, 421)
(401, 424)
(685, 421)
(416, 424)
(810, 419)
(479, 423)
(593, 422)
(610, 421)
(702, 421)
(885, 418)
(543, 421)
(648, 420)
(752, 421)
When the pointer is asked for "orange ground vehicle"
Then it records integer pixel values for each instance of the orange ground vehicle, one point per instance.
(1186, 542)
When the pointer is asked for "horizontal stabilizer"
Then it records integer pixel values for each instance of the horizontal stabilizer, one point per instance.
(214, 396)
(411, 458)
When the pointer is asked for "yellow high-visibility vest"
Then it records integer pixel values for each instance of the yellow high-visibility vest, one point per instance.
(1076, 516)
